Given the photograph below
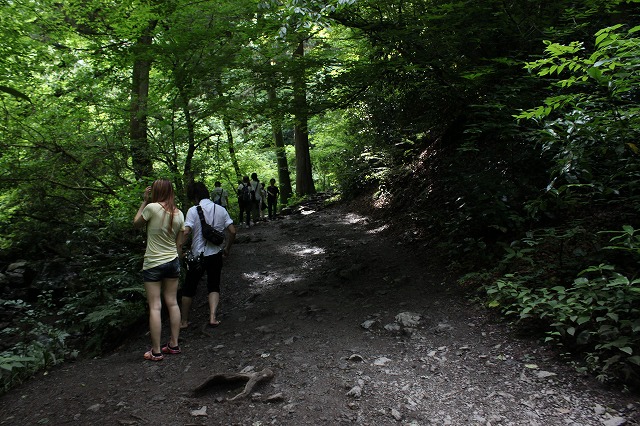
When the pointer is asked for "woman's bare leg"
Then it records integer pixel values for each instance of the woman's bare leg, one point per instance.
(153, 289)
(171, 301)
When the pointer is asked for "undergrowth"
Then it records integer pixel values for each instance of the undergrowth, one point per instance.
(595, 314)
(104, 302)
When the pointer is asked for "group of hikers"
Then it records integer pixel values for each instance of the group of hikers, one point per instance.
(251, 199)
(168, 230)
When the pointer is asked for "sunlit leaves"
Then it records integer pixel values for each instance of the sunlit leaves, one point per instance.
(612, 66)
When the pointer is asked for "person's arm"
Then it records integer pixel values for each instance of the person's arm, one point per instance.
(185, 234)
(138, 220)
(180, 239)
(231, 237)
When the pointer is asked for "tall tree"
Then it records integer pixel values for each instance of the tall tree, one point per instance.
(140, 151)
(284, 179)
(304, 175)
(232, 149)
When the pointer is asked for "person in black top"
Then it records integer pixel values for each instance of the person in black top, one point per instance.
(244, 199)
(272, 198)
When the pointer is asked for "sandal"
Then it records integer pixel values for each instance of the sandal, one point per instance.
(168, 349)
(150, 356)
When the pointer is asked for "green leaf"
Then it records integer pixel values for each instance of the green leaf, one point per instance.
(595, 73)
(583, 320)
(627, 350)
(601, 37)
(583, 337)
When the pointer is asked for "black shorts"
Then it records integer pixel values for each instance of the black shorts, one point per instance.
(212, 265)
(160, 272)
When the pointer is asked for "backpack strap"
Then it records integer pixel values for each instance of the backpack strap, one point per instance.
(201, 214)
(203, 221)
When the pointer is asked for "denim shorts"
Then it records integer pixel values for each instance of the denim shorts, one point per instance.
(160, 272)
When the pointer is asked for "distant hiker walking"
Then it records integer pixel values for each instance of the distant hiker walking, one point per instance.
(256, 198)
(272, 198)
(219, 195)
(244, 200)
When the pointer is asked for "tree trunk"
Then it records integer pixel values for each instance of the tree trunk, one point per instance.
(304, 177)
(188, 175)
(232, 149)
(140, 150)
(284, 178)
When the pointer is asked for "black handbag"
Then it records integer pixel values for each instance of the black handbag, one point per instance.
(210, 233)
(193, 262)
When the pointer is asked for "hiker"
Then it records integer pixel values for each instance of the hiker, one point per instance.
(244, 199)
(219, 195)
(272, 198)
(256, 198)
(161, 266)
(263, 201)
(210, 255)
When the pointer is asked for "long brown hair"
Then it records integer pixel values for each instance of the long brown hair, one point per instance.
(162, 192)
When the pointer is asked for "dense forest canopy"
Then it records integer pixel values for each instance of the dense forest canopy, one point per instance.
(505, 133)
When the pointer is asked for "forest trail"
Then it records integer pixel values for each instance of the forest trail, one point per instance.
(356, 327)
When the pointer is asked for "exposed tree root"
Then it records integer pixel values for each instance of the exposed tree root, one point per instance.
(252, 380)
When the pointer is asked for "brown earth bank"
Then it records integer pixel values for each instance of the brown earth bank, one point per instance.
(348, 324)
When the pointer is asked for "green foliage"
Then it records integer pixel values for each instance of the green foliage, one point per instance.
(99, 307)
(597, 315)
(331, 144)
(627, 240)
(41, 345)
(590, 122)
(112, 300)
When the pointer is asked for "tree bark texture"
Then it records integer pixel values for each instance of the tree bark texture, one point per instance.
(284, 178)
(232, 149)
(304, 176)
(140, 151)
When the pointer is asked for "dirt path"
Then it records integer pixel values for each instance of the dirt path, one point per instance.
(356, 328)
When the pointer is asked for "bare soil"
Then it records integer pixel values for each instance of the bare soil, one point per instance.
(357, 325)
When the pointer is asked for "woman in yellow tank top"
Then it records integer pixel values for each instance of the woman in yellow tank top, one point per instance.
(161, 267)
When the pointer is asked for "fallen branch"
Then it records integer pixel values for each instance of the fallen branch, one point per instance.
(252, 380)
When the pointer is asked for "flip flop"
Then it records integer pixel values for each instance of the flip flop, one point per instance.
(168, 349)
(214, 325)
(150, 356)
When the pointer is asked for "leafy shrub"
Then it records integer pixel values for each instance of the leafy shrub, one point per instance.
(106, 299)
(40, 346)
(589, 122)
(112, 300)
(597, 315)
